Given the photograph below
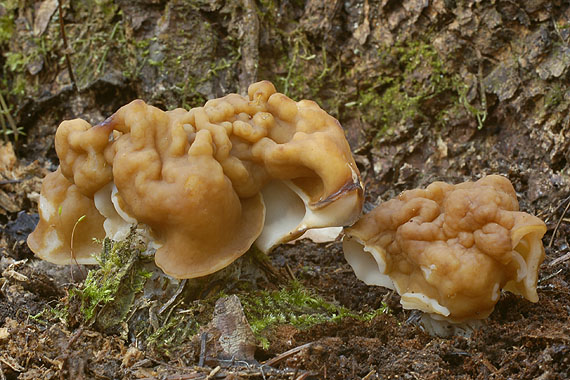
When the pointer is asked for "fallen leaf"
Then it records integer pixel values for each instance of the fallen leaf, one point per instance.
(47, 9)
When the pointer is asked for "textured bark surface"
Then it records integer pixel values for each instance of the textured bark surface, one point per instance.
(425, 90)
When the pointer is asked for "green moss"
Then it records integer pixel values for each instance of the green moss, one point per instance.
(176, 329)
(16, 62)
(7, 26)
(182, 322)
(99, 42)
(480, 113)
(309, 73)
(396, 96)
(108, 292)
(410, 76)
(293, 305)
(96, 37)
(59, 313)
(554, 96)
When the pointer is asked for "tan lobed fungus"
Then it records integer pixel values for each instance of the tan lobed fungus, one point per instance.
(68, 223)
(208, 182)
(449, 250)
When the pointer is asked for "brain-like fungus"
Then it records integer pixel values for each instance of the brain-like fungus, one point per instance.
(205, 183)
(448, 250)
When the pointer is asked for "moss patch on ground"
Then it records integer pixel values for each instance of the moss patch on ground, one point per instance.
(294, 305)
(123, 297)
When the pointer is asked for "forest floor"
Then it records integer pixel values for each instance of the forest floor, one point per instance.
(425, 90)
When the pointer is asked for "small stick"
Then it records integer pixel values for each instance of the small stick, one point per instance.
(5, 133)
(70, 343)
(286, 354)
(6, 110)
(558, 207)
(559, 259)
(290, 272)
(10, 181)
(558, 225)
(203, 339)
(173, 298)
(552, 275)
(213, 373)
(66, 47)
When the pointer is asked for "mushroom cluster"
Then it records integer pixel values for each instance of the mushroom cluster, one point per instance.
(448, 250)
(205, 183)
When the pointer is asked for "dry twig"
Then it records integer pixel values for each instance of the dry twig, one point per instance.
(558, 224)
(560, 259)
(286, 354)
(203, 339)
(6, 116)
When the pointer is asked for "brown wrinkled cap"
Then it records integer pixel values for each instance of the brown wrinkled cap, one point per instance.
(80, 150)
(180, 191)
(210, 181)
(449, 250)
(66, 213)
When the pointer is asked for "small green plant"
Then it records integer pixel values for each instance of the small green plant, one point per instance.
(480, 113)
(58, 313)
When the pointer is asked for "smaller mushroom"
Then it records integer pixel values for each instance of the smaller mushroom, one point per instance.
(449, 250)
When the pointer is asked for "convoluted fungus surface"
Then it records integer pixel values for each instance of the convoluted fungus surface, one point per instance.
(448, 250)
(205, 183)
(425, 91)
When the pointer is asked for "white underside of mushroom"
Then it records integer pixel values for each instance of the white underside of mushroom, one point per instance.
(368, 264)
(117, 223)
(288, 214)
(527, 268)
(419, 301)
(321, 235)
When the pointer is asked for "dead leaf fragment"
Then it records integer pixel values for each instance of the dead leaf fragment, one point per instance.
(236, 338)
(7, 157)
(132, 356)
(46, 11)
(4, 334)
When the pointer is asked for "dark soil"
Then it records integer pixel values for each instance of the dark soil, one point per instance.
(425, 90)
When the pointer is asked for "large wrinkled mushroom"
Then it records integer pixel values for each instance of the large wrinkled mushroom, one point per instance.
(208, 182)
(449, 250)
